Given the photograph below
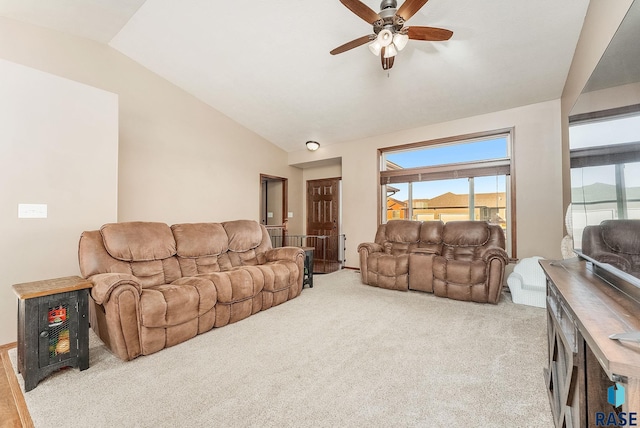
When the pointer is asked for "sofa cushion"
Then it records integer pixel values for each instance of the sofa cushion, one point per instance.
(200, 239)
(234, 285)
(621, 236)
(406, 231)
(166, 305)
(397, 248)
(431, 232)
(138, 241)
(243, 235)
(388, 271)
(465, 233)
(431, 236)
(459, 272)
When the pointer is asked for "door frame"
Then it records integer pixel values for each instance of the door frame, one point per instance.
(264, 179)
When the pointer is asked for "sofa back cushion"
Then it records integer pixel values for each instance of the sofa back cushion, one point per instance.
(398, 236)
(464, 240)
(248, 241)
(138, 241)
(403, 231)
(616, 242)
(621, 236)
(201, 248)
(431, 236)
(143, 249)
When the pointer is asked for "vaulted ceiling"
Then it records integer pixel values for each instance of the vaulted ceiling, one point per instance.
(266, 64)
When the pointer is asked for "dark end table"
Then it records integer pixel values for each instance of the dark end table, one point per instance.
(308, 267)
(53, 327)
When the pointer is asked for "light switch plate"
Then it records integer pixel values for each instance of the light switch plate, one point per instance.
(32, 210)
(290, 214)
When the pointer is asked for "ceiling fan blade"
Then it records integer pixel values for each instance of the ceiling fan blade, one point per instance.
(353, 44)
(362, 10)
(409, 8)
(429, 33)
(387, 63)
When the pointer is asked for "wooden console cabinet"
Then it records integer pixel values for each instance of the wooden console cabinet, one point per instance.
(582, 312)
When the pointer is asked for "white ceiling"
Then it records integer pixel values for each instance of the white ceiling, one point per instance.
(266, 64)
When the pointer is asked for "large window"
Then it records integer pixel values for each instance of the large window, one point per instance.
(605, 168)
(463, 178)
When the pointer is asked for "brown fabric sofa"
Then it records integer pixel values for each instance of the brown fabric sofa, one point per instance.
(616, 242)
(155, 286)
(463, 260)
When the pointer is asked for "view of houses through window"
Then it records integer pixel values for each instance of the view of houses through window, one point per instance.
(605, 171)
(460, 179)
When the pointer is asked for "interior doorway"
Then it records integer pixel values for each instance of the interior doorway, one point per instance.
(274, 206)
(323, 223)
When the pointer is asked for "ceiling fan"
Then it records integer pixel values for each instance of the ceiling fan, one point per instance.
(390, 35)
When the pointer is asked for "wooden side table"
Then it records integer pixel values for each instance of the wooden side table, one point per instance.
(308, 267)
(53, 327)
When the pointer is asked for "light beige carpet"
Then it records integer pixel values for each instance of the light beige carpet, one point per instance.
(342, 354)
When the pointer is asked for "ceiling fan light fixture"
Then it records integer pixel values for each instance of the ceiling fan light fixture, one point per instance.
(385, 37)
(375, 47)
(390, 35)
(312, 146)
(400, 40)
(390, 51)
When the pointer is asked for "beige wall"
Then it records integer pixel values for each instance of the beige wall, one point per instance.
(51, 132)
(604, 99)
(179, 159)
(537, 149)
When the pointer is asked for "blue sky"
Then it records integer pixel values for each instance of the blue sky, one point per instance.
(446, 154)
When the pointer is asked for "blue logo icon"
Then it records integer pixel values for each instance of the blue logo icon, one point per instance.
(615, 395)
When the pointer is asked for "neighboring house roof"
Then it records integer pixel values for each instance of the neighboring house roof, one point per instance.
(453, 200)
(393, 201)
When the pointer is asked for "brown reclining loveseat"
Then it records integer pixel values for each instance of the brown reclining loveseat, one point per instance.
(155, 286)
(463, 260)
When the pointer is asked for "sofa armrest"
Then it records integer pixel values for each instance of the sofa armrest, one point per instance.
(490, 253)
(613, 259)
(364, 250)
(119, 296)
(105, 283)
(287, 255)
(284, 253)
(371, 247)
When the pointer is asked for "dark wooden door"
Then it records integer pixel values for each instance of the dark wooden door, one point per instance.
(323, 211)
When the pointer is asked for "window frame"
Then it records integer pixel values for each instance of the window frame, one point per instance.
(455, 170)
(614, 155)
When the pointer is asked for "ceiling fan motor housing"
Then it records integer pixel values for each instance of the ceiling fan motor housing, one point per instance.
(387, 4)
(388, 18)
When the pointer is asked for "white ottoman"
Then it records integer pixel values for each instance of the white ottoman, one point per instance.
(528, 284)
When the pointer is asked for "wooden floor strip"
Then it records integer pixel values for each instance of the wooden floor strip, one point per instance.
(13, 408)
